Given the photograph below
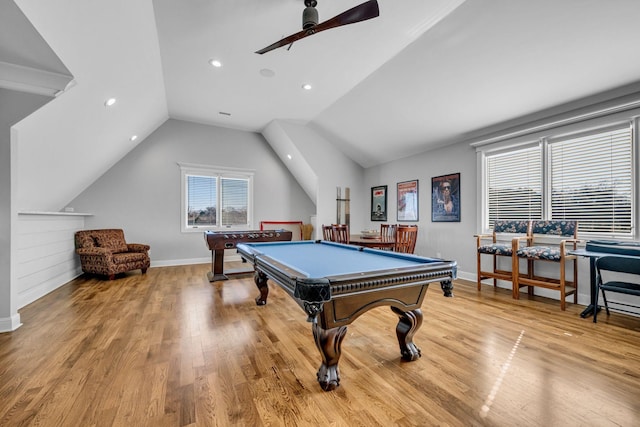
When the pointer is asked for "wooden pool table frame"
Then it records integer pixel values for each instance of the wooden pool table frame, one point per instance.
(333, 302)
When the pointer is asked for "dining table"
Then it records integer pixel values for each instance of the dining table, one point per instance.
(372, 241)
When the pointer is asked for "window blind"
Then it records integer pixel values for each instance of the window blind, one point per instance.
(234, 201)
(591, 181)
(514, 185)
(201, 200)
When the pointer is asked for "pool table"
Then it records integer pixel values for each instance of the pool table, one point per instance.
(336, 283)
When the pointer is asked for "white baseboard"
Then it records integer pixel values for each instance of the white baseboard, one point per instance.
(174, 262)
(8, 324)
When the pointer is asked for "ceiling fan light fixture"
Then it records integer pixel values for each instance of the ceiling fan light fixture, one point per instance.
(309, 17)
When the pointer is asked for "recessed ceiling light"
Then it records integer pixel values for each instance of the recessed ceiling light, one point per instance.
(215, 63)
(267, 72)
(289, 156)
(133, 138)
(109, 102)
(306, 86)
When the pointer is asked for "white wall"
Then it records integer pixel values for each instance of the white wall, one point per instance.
(141, 193)
(333, 169)
(13, 107)
(449, 240)
(44, 255)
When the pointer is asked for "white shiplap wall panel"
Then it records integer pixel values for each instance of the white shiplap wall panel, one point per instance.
(45, 256)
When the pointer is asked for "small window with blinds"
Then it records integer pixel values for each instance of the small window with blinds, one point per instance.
(586, 177)
(591, 181)
(514, 185)
(214, 198)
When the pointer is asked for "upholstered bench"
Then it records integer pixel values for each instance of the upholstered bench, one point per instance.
(499, 244)
(550, 241)
(106, 252)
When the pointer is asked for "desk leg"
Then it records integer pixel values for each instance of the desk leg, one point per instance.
(410, 322)
(592, 277)
(329, 342)
(261, 282)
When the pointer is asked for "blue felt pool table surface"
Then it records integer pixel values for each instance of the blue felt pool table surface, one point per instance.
(328, 259)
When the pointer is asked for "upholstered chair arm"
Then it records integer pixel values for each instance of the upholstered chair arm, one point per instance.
(94, 251)
(138, 247)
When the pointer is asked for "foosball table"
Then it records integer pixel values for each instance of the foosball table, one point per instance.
(219, 241)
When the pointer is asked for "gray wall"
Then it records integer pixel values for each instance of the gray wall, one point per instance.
(435, 239)
(141, 193)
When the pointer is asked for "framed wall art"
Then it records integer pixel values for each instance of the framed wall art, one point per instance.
(445, 198)
(379, 203)
(408, 200)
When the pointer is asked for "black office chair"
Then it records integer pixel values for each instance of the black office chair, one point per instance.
(616, 265)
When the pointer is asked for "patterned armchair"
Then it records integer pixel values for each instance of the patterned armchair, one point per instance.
(105, 252)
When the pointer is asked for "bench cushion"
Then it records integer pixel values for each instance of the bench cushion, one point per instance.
(540, 252)
(496, 249)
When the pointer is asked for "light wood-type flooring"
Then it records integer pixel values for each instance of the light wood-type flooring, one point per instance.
(171, 349)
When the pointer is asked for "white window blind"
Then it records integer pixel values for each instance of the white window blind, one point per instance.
(234, 201)
(591, 181)
(514, 185)
(201, 200)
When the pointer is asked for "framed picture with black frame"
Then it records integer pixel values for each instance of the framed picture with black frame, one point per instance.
(445, 198)
(379, 203)
(408, 200)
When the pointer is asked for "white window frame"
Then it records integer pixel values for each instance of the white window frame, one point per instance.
(187, 169)
(484, 150)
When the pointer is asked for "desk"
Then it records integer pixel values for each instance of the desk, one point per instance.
(593, 256)
(336, 283)
(218, 241)
(372, 242)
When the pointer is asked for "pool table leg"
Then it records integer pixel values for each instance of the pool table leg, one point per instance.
(410, 322)
(329, 342)
(447, 288)
(261, 282)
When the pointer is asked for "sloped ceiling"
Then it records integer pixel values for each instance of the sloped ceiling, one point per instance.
(421, 75)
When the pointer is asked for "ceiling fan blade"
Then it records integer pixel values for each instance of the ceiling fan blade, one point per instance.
(285, 41)
(362, 12)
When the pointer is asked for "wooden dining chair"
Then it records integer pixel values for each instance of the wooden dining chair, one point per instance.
(327, 232)
(340, 233)
(406, 236)
(388, 230)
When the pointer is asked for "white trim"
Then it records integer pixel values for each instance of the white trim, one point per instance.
(630, 108)
(8, 324)
(191, 261)
(33, 80)
(54, 213)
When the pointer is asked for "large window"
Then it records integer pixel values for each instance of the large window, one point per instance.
(215, 198)
(583, 176)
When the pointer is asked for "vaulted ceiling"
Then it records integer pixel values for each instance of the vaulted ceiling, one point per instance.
(423, 74)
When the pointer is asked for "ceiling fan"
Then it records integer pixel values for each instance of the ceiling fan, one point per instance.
(310, 25)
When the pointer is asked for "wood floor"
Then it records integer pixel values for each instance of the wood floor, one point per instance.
(171, 349)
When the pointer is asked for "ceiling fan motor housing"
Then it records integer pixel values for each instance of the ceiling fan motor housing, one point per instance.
(309, 18)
